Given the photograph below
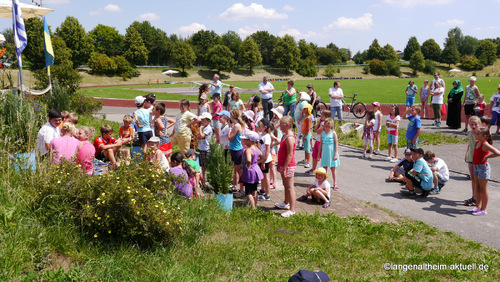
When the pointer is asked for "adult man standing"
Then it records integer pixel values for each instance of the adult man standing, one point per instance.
(336, 95)
(216, 85)
(266, 95)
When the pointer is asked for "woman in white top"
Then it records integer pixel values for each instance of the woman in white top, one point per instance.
(437, 94)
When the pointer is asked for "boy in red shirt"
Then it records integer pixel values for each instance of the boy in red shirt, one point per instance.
(106, 146)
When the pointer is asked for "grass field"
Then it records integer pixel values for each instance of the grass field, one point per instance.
(386, 91)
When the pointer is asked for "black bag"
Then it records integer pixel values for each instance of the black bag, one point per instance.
(309, 276)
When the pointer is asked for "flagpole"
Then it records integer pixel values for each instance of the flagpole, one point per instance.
(21, 85)
(50, 81)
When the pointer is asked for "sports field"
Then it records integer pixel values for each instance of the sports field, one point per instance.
(385, 91)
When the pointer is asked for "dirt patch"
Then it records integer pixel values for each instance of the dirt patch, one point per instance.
(57, 261)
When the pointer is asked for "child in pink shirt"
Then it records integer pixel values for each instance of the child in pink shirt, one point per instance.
(64, 147)
(86, 150)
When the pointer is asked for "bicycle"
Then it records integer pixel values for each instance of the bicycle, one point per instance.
(319, 108)
(358, 109)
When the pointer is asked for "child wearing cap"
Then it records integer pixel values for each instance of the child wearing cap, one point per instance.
(420, 176)
(404, 165)
(319, 189)
(251, 173)
(306, 133)
(154, 155)
(204, 136)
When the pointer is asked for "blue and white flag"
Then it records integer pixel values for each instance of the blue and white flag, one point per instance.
(20, 38)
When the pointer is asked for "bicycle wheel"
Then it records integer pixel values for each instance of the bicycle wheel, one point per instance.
(320, 107)
(359, 110)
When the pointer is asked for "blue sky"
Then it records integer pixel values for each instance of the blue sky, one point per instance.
(351, 24)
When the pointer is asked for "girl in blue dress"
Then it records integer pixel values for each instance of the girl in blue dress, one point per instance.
(329, 150)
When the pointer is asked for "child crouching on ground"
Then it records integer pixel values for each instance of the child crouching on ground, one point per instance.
(155, 155)
(319, 189)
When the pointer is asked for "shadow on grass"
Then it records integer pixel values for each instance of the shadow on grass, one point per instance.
(243, 72)
(209, 75)
(278, 72)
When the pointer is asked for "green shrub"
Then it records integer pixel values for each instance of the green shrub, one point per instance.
(393, 68)
(330, 71)
(84, 105)
(470, 63)
(20, 121)
(366, 69)
(430, 67)
(135, 204)
(102, 64)
(377, 67)
(219, 168)
(307, 68)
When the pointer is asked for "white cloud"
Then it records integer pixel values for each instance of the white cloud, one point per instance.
(149, 17)
(299, 35)
(364, 22)
(241, 12)
(453, 22)
(94, 13)
(289, 8)
(413, 3)
(56, 2)
(249, 29)
(192, 28)
(112, 8)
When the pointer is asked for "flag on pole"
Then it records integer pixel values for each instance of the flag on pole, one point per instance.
(20, 38)
(47, 46)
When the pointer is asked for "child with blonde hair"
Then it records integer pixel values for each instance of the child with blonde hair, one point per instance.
(286, 165)
(251, 173)
(306, 133)
(64, 147)
(392, 124)
(86, 151)
(329, 150)
(368, 134)
(474, 123)
(318, 128)
(319, 189)
(424, 97)
(236, 128)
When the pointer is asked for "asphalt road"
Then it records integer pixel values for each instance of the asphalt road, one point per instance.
(365, 180)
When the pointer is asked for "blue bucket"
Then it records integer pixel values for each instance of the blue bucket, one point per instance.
(225, 201)
(25, 161)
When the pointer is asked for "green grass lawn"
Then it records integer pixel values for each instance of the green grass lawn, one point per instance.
(383, 90)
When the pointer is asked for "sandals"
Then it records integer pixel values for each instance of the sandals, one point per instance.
(326, 205)
(336, 187)
(470, 202)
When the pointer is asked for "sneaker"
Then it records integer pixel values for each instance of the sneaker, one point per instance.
(307, 165)
(438, 124)
(363, 156)
(370, 156)
(479, 212)
(377, 152)
(301, 162)
(264, 198)
(388, 159)
(282, 206)
(409, 193)
(394, 160)
(287, 214)
(309, 171)
(302, 198)
(434, 123)
(473, 210)
(326, 204)
(435, 191)
(261, 192)
(239, 194)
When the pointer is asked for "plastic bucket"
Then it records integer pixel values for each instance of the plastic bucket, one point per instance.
(225, 201)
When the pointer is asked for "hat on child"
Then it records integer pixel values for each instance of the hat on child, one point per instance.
(190, 152)
(278, 111)
(206, 115)
(139, 100)
(215, 95)
(376, 104)
(321, 171)
(407, 152)
(224, 113)
(250, 135)
(154, 139)
(498, 86)
(304, 97)
(309, 108)
(250, 115)
(418, 150)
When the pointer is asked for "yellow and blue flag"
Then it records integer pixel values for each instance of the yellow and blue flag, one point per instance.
(47, 45)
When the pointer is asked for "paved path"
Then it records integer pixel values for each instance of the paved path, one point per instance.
(365, 180)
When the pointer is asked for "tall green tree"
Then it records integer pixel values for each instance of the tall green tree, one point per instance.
(450, 54)
(267, 43)
(76, 39)
(374, 51)
(359, 58)
(287, 53)
(249, 54)
(389, 54)
(33, 52)
(431, 50)
(201, 42)
(327, 56)
(107, 40)
(232, 40)
(183, 55)
(345, 54)
(155, 40)
(219, 57)
(306, 50)
(135, 50)
(486, 52)
(411, 48)
(417, 62)
(468, 45)
(457, 35)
